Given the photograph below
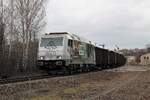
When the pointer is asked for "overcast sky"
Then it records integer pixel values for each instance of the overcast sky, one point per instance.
(125, 23)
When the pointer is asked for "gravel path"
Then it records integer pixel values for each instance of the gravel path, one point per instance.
(117, 84)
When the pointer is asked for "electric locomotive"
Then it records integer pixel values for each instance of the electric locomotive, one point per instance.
(63, 50)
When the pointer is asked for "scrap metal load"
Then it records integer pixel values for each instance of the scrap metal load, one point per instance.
(71, 52)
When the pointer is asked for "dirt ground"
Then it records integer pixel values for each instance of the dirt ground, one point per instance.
(125, 83)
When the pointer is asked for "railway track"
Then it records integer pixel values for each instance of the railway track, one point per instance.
(42, 75)
(23, 79)
(51, 74)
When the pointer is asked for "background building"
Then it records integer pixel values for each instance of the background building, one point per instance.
(148, 48)
(131, 60)
(145, 59)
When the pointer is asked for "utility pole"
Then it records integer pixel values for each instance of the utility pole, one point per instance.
(117, 47)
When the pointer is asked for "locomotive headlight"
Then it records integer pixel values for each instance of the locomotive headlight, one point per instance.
(59, 57)
(42, 58)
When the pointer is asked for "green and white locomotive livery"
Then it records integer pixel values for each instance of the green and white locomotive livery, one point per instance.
(65, 50)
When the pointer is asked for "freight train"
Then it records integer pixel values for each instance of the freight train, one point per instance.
(62, 50)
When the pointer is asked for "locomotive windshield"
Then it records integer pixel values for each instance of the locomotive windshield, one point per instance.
(58, 41)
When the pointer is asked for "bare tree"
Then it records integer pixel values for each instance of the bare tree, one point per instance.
(11, 31)
(20, 23)
(3, 58)
(31, 17)
(1, 27)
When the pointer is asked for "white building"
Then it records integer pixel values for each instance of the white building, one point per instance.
(145, 59)
(131, 59)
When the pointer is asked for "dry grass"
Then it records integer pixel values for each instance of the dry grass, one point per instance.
(76, 90)
(48, 97)
(101, 85)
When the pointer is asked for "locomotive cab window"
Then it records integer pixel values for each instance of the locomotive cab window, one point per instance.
(57, 41)
(70, 43)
